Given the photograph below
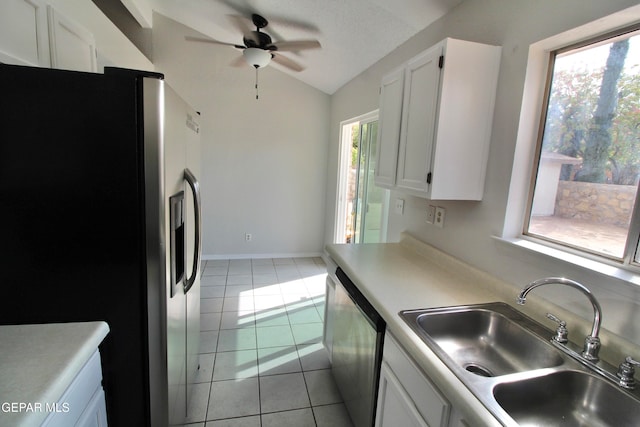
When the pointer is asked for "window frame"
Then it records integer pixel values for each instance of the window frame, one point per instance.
(526, 121)
(631, 256)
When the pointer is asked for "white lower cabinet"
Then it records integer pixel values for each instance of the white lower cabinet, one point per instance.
(329, 307)
(406, 397)
(83, 403)
(95, 414)
(395, 407)
(329, 313)
(457, 420)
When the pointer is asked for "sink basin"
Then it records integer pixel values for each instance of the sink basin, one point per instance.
(487, 340)
(508, 362)
(567, 398)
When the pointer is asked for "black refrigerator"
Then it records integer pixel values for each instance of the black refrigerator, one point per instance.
(100, 210)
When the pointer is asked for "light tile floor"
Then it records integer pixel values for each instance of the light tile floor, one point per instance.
(262, 361)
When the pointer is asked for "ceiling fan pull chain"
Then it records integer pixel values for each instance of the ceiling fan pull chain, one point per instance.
(256, 82)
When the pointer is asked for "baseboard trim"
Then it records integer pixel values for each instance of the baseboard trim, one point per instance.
(207, 257)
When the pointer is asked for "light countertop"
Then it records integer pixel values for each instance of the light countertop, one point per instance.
(38, 363)
(412, 275)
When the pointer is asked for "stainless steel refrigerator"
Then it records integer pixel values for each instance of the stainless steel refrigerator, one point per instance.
(100, 210)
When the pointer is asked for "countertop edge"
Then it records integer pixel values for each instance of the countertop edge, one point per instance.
(412, 274)
(351, 260)
(87, 337)
(96, 335)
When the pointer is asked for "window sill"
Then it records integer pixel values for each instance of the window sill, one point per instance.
(628, 274)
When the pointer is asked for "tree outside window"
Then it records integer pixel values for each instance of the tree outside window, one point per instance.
(589, 155)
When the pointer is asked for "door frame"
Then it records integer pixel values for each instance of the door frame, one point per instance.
(344, 158)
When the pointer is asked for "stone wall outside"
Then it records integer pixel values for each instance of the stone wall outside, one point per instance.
(604, 203)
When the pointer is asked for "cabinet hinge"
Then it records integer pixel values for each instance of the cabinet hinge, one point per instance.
(441, 61)
(429, 178)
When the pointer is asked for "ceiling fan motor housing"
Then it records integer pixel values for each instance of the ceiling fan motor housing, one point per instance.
(260, 40)
(259, 21)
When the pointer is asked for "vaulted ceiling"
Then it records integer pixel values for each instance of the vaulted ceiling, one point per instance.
(354, 34)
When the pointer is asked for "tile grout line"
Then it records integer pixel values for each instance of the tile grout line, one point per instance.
(294, 346)
(257, 353)
(306, 386)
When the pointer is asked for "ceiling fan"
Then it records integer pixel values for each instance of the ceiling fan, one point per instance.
(258, 49)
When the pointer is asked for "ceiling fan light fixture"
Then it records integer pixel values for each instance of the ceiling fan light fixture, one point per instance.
(257, 57)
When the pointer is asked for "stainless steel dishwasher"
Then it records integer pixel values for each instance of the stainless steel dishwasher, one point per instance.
(358, 334)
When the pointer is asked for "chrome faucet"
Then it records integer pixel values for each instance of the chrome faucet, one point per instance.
(592, 341)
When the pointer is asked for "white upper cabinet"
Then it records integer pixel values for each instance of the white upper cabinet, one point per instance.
(24, 37)
(72, 46)
(419, 109)
(439, 147)
(33, 33)
(390, 117)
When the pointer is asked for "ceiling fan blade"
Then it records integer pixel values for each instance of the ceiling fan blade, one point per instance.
(296, 45)
(211, 41)
(249, 36)
(241, 23)
(238, 62)
(244, 8)
(286, 62)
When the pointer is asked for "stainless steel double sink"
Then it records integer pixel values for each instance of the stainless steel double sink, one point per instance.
(508, 362)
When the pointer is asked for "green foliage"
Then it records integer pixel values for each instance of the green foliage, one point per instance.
(355, 139)
(602, 128)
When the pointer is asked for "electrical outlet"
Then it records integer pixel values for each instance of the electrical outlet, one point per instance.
(248, 237)
(399, 206)
(431, 214)
(439, 219)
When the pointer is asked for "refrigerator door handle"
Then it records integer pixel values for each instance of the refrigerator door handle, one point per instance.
(195, 188)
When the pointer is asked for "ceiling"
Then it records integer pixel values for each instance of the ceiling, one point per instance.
(354, 34)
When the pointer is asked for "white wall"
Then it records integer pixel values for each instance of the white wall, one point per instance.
(469, 226)
(263, 161)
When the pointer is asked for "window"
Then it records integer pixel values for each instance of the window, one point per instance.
(588, 157)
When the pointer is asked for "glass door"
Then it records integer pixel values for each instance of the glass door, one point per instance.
(369, 208)
(363, 207)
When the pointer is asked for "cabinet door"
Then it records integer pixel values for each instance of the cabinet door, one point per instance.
(465, 117)
(72, 46)
(329, 313)
(395, 407)
(391, 93)
(431, 405)
(83, 403)
(24, 39)
(457, 419)
(95, 415)
(422, 78)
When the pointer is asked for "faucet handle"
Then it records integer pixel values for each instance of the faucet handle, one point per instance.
(561, 332)
(626, 371)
